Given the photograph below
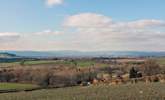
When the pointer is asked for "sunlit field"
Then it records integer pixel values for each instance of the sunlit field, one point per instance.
(140, 91)
(16, 86)
(161, 61)
(80, 63)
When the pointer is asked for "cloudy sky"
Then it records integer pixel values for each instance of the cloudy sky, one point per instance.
(85, 25)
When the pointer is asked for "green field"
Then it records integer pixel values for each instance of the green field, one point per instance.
(79, 63)
(16, 86)
(140, 91)
(12, 64)
(67, 63)
(161, 61)
(37, 62)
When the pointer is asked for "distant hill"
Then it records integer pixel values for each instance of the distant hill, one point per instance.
(83, 54)
(7, 55)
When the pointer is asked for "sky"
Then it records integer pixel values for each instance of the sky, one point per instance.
(83, 25)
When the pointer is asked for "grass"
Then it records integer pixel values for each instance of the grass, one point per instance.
(40, 62)
(16, 86)
(11, 64)
(70, 63)
(161, 61)
(79, 63)
(140, 91)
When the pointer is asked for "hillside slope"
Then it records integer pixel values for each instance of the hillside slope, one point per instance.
(7, 55)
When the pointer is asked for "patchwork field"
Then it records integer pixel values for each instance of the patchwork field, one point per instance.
(77, 63)
(140, 91)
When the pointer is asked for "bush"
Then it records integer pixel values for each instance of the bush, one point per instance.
(150, 67)
(86, 77)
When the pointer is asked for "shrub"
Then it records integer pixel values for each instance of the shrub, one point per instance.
(86, 77)
(150, 67)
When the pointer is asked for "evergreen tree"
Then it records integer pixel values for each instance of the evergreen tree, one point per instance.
(133, 73)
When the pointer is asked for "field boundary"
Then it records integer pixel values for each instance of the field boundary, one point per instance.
(23, 90)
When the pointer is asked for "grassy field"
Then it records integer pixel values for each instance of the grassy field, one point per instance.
(16, 86)
(67, 63)
(161, 61)
(82, 63)
(140, 91)
(37, 62)
(12, 64)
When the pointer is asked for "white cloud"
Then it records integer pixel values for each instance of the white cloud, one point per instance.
(93, 20)
(54, 2)
(8, 36)
(99, 32)
(49, 32)
(87, 20)
(93, 32)
(146, 23)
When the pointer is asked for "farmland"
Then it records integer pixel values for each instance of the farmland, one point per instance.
(140, 91)
(161, 60)
(77, 63)
(67, 79)
(70, 63)
(16, 86)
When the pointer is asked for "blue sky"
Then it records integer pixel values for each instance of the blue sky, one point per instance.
(43, 23)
